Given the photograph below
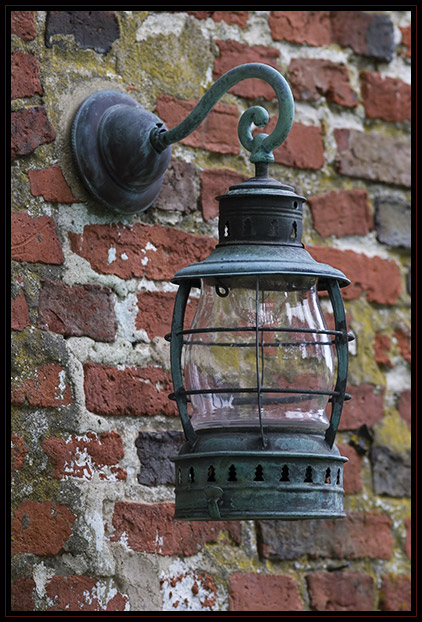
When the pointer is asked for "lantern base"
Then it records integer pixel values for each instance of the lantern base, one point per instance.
(228, 476)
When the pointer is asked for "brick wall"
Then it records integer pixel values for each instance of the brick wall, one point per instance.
(92, 428)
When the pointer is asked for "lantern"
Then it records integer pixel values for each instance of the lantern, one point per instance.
(259, 379)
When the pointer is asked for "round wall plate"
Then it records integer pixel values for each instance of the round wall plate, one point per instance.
(89, 155)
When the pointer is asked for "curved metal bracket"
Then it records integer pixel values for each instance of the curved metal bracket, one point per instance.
(122, 151)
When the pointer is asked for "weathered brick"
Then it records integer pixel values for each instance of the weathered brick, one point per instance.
(218, 131)
(152, 529)
(352, 481)
(82, 457)
(385, 98)
(23, 24)
(18, 451)
(95, 30)
(83, 593)
(313, 78)
(340, 591)
(131, 391)
(406, 39)
(19, 312)
(382, 345)
(139, 250)
(359, 535)
(41, 528)
(379, 278)
(405, 406)
(391, 472)
(51, 185)
(79, 310)
(365, 408)
(263, 592)
(311, 27)
(30, 128)
(341, 213)
(403, 340)
(154, 452)
(233, 54)
(35, 239)
(22, 594)
(393, 222)
(178, 192)
(396, 593)
(368, 34)
(303, 147)
(25, 75)
(49, 388)
(156, 310)
(373, 156)
(215, 182)
(238, 18)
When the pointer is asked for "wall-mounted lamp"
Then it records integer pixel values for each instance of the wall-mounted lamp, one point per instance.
(260, 365)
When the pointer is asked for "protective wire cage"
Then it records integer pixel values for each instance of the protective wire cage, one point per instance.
(262, 472)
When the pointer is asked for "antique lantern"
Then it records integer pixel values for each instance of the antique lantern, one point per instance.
(259, 379)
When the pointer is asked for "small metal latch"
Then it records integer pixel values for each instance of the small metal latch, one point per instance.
(213, 494)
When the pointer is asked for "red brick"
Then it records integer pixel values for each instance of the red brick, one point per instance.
(152, 529)
(352, 482)
(41, 528)
(18, 452)
(80, 310)
(359, 535)
(382, 344)
(35, 239)
(82, 457)
(365, 408)
(218, 131)
(25, 75)
(369, 34)
(311, 27)
(263, 592)
(30, 128)
(215, 182)
(396, 593)
(83, 593)
(313, 78)
(131, 391)
(154, 252)
(22, 594)
(47, 389)
(156, 311)
(23, 25)
(51, 185)
(341, 213)
(403, 340)
(406, 35)
(19, 312)
(405, 407)
(303, 147)
(340, 591)
(233, 54)
(372, 156)
(378, 278)
(386, 98)
(238, 18)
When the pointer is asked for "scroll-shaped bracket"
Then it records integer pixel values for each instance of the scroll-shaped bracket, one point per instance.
(122, 151)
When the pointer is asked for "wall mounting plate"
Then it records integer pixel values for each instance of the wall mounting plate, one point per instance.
(114, 155)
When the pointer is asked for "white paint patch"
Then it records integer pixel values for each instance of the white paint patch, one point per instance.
(161, 24)
(111, 255)
(41, 576)
(188, 590)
